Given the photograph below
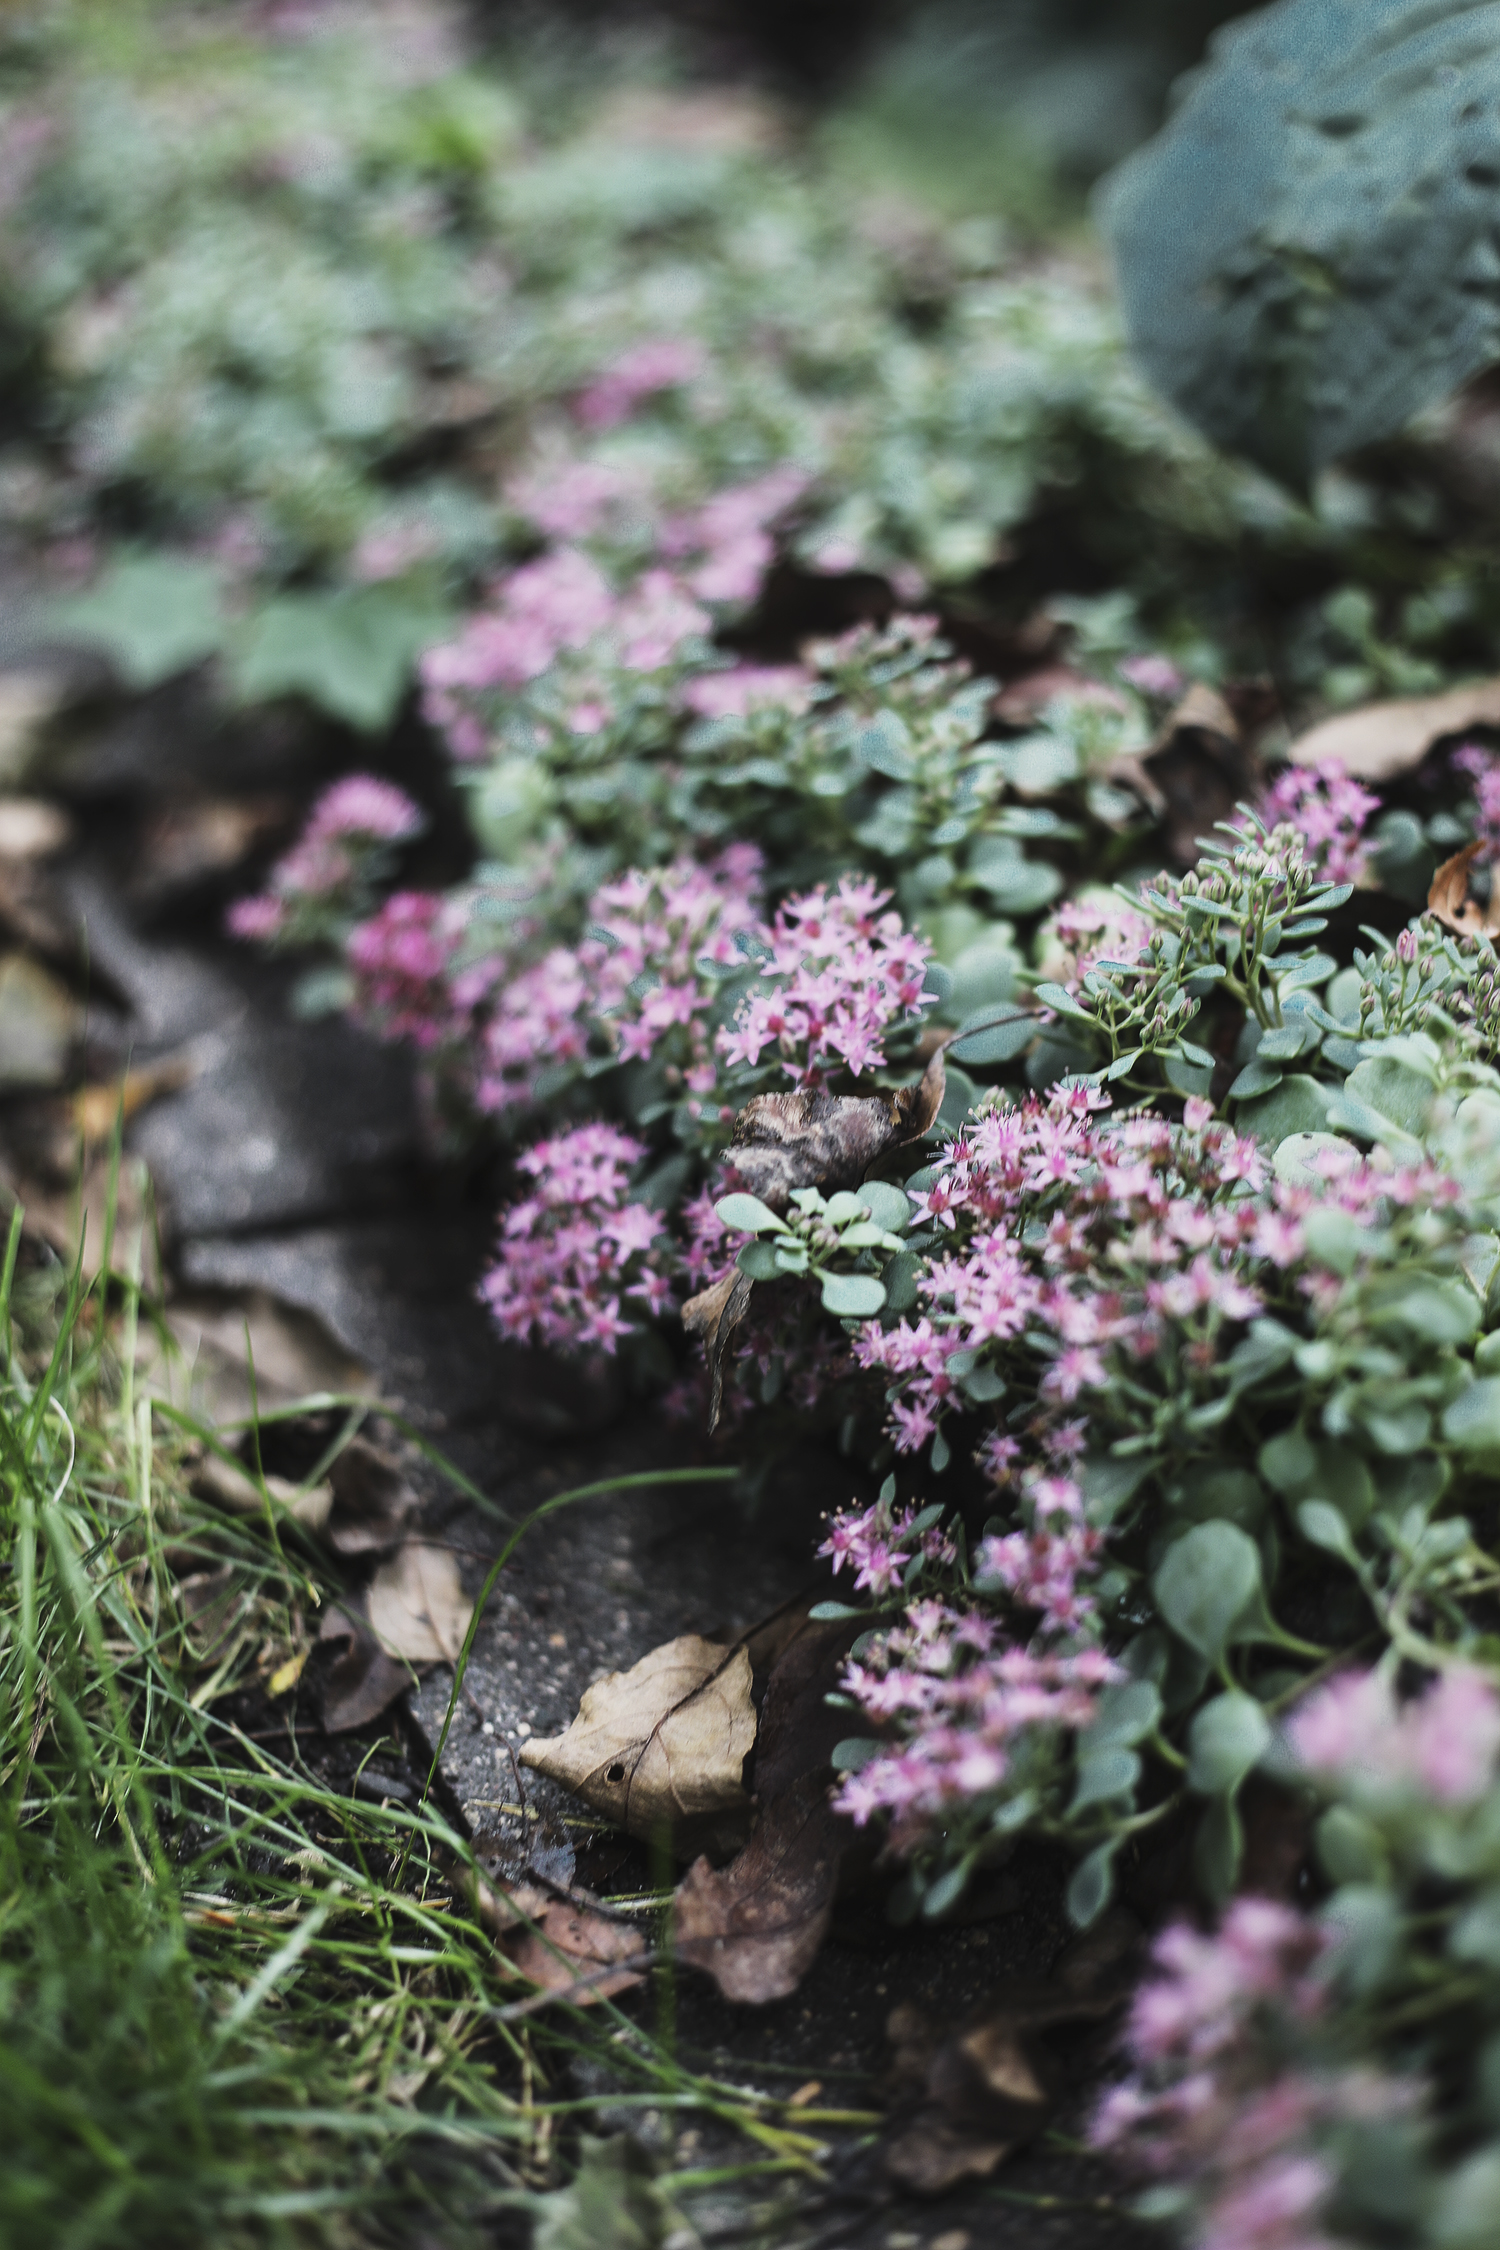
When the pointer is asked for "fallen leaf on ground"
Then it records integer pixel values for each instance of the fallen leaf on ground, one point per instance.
(977, 2094)
(715, 1314)
(95, 1108)
(416, 1606)
(569, 1942)
(235, 1489)
(554, 1941)
(39, 1020)
(783, 1142)
(189, 843)
(757, 1924)
(361, 1682)
(1449, 902)
(1380, 740)
(661, 1744)
(372, 1501)
(1195, 771)
(203, 1366)
(32, 828)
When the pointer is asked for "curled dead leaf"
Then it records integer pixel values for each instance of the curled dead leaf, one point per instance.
(561, 1943)
(362, 1680)
(1448, 899)
(715, 1314)
(783, 1142)
(663, 1744)
(757, 1924)
(95, 1108)
(416, 1606)
(1193, 773)
(1380, 740)
(372, 1501)
(979, 2093)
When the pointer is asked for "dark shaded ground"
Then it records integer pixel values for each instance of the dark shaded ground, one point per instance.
(293, 1165)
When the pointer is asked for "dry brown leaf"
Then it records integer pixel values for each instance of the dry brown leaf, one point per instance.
(555, 1942)
(1193, 773)
(95, 1108)
(783, 1142)
(363, 1680)
(715, 1314)
(233, 1488)
(1380, 740)
(214, 1337)
(417, 1608)
(570, 1943)
(661, 1744)
(372, 1501)
(1448, 899)
(189, 843)
(757, 1924)
(978, 2093)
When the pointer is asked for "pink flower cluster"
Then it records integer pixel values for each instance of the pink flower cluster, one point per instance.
(357, 818)
(960, 1702)
(1093, 928)
(1100, 1234)
(1152, 675)
(1043, 1567)
(1330, 810)
(839, 976)
(559, 605)
(637, 977)
(1483, 768)
(401, 958)
(663, 363)
(1211, 2102)
(1441, 1745)
(576, 1252)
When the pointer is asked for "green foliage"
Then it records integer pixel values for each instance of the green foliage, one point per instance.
(1306, 250)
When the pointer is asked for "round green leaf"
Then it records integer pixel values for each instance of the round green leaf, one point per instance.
(853, 1296)
(1227, 1738)
(1206, 1582)
(1125, 1714)
(1473, 1420)
(748, 1215)
(1103, 1775)
(888, 1206)
(1093, 1881)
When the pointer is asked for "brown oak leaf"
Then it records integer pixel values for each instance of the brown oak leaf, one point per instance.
(1380, 740)
(1448, 900)
(663, 1744)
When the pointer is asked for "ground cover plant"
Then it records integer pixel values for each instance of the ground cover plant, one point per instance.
(1041, 1085)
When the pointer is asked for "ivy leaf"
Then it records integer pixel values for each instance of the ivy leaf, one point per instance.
(1206, 1582)
(152, 615)
(350, 651)
(1305, 250)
